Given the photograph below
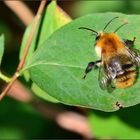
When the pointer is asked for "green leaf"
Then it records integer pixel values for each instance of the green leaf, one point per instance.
(40, 93)
(2, 76)
(52, 19)
(1, 47)
(58, 66)
(121, 125)
(42, 33)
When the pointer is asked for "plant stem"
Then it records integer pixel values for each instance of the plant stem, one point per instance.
(5, 78)
(22, 61)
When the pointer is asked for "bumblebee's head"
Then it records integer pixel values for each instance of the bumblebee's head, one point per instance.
(101, 33)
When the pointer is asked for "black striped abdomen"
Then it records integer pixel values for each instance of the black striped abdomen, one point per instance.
(122, 70)
(128, 77)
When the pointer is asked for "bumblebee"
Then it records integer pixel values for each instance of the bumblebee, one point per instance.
(118, 61)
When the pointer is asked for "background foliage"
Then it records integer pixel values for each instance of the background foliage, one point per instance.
(20, 120)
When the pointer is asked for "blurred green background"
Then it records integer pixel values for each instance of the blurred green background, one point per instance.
(20, 120)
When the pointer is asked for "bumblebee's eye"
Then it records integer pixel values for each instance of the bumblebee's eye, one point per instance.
(97, 37)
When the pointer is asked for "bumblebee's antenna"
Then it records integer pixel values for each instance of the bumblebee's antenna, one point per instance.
(88, 29)
(109, 22)
(120, 26)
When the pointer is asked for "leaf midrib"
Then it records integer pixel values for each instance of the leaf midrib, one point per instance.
(53, 64)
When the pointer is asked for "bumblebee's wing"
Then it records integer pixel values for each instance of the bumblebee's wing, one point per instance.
(105, 80)
(135, 55)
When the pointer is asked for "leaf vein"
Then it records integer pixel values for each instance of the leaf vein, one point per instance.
(53, 64)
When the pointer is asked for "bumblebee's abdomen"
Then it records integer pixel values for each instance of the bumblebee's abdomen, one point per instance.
(123, 70)
(128, 78)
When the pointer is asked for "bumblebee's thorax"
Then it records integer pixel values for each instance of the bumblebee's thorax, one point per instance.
(107, 44)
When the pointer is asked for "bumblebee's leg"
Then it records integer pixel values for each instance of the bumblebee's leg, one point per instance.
(90, 67)
(129, 43)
